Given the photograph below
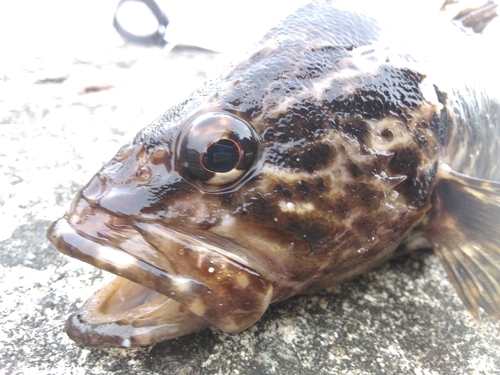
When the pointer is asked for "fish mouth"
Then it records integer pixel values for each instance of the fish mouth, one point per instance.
(169, 283)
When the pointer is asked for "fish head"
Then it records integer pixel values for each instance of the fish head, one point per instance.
(303, 166)
(147, 216)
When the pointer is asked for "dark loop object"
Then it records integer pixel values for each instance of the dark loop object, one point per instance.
(156, 38)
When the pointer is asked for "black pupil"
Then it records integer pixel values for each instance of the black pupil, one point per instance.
(221, 156)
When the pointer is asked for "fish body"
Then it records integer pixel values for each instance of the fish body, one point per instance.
(317, 157)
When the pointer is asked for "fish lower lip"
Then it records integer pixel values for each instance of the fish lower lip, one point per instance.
(125, 314)
(215, 289)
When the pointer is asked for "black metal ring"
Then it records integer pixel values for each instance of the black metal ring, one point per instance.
(156, 38)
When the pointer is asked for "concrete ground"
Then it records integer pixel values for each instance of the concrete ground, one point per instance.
(71, 92)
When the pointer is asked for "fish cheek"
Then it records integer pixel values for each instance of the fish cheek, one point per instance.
(293, 228)
(214, 287)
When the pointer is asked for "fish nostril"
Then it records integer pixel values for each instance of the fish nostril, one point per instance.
(143, 173)
(159, 153)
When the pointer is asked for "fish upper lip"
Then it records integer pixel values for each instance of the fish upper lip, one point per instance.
(71, 242)
(91, 249)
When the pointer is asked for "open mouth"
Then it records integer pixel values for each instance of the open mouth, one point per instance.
(169, 284)
(125, 314)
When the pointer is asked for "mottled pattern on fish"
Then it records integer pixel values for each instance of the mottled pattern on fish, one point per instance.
(349, 144)
(340, 141)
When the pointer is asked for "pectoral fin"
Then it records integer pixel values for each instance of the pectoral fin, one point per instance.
(464, 230)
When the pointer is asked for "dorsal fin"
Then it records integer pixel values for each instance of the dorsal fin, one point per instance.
(464, 230)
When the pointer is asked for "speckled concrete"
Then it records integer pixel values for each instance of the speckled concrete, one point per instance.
(402, 318)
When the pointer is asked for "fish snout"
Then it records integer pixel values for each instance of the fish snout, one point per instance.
(132, 181)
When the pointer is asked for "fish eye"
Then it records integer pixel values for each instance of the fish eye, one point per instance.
(217, 149)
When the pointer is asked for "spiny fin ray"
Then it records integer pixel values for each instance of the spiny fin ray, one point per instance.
(464, 231)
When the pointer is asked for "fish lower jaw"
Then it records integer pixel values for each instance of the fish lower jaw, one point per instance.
(126, 314)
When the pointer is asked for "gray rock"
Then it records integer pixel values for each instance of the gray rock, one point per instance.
(402, 318)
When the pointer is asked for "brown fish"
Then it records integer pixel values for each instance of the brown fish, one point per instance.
(325, 151)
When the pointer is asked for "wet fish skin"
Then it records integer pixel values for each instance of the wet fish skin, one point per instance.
(329, 154)
(341, 144)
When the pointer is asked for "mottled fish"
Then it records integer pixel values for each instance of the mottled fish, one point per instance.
(330, 147)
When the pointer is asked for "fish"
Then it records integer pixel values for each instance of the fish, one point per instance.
(329, 148)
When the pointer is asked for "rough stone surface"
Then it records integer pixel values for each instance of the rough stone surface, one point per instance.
(402, 318)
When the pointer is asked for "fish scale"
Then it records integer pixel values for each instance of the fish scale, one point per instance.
(327, 149)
